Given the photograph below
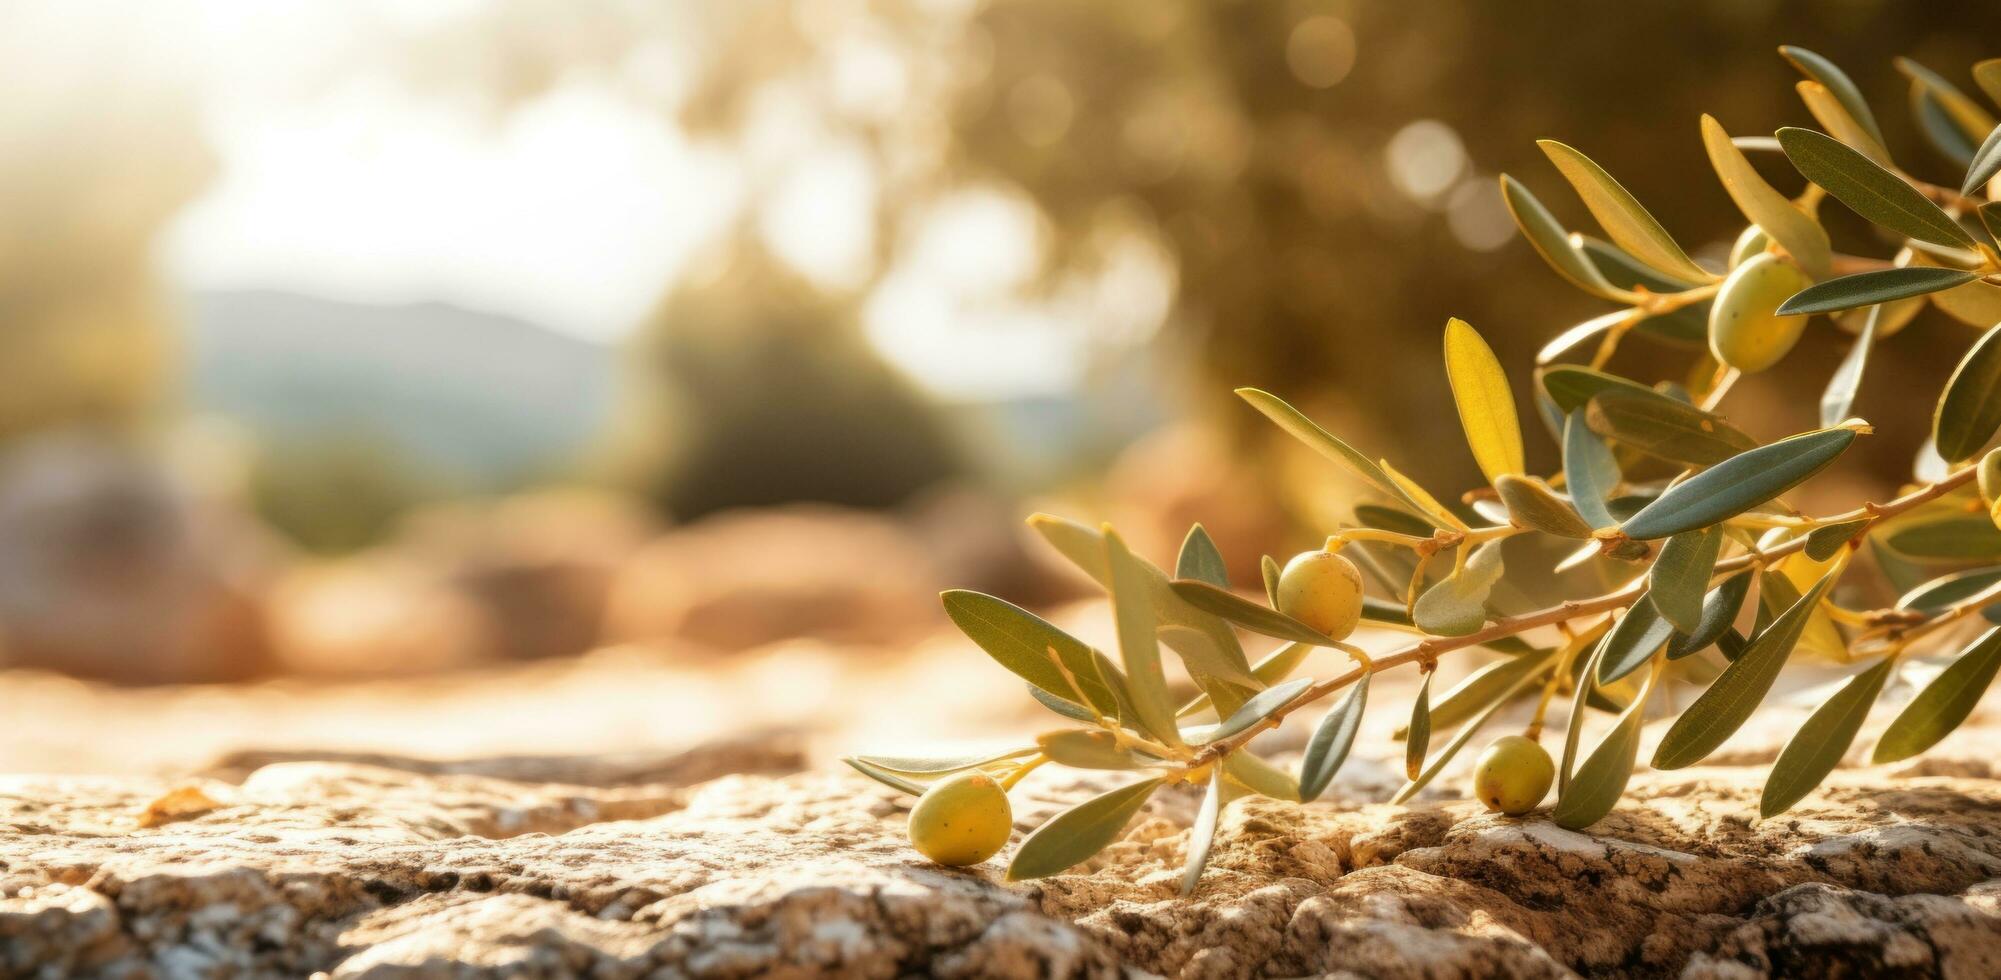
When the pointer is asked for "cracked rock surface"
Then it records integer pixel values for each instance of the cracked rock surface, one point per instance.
(741, 860)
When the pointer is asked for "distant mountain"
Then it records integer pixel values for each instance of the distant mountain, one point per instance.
(481, 396)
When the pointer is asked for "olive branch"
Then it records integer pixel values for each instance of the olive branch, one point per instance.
(1657, 491)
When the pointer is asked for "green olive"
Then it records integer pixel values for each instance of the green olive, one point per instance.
(1322, 590)
(1745, 330)
(1751, 242)
(1990, 483)
(962, 819)
(1513, 775)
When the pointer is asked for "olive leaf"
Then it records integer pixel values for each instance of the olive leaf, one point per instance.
(1417, 737)
(1685, 326)
(1260, 777)
(1088, 749)
(1271, 670)
(1202, 836)
(890, 779)
(1719, 611)
(1571, 338)
(1828, 111)
(1874, 286)
(1460, 739)
(1571, 386)
(1621, 215)
(1838, 84)
(1555, 245)
(1679, 580)
(1457, 605)
(1724, 706)
(1594, 789)
(1139, 644)
(1574, 726)
(1986, 163)
(1590, 470)
(1948, 589)
(1969, 410)
(1531, 503)
(1966, 114)
(1818, 746)
(1260, 706)
(1664, 427)
(1959, 537)
(1837, 402)
(1826, 541)
(1068, 708)
(1795, 231)
(1071, 837)
(1987, 74)
(1738, 484)
(1245, 613)
(1640, 634)
(1268, 566)
(1199, 559)
(1869, 190)
(1944, 703)
(1329, 445)
(1332, 738)
(1486, 404)
(1021, 641)
(924, 766)
(1483, 687)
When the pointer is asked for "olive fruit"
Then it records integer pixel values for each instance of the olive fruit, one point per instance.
(1751, 242)
(1745, 330)
(1322, 590)
(1513, 775)
(962, 819)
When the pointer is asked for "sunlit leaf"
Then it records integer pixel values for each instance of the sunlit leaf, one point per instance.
(1584, 677)
(1332, 738)
(1640, 635)
(1021, 641)
(939, 766)
(1327, 444)
(1679, 579)
(1594, 789)
(1621, 215)
(1838, 84)
(1719, 611)
(1068, 708)
(1554, 244)
(1987, 74)
(1088, 749)
(1590, 470)
(1738, 484)
(1531, 503)
(1986, 163)
(1248, 614)
(1139, 644)
(1869, 190)
(892, 780)
(1200, 560)
(1073, 836)
(1944, 703)
(1269, 567)
(1486, 404)
(1687, 326)
(1837, 402)
(1959, 537)
(1202, 836)
(1765, 207)
(1948, 589)
(1977, 303)
(1260, 777)
(1664, 427)
(1874, 286)
(1970, 408)
(1417, 735)
(1572, 386)
(1457, 605)
(1818, 746)
(1271, 670)
(1573, 337)
(1727, 703)
(1260, 706)
(1827, 541)
(1480, 689)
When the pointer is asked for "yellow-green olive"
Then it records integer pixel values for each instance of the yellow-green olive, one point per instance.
(1322, 590)
(1751, 242)
(1745, 330)
(1513, 775)
(1990, 484)
(962, 819)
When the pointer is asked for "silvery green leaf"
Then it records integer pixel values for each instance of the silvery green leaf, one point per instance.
(1872, 287)
(1640, 634)
(1665, 428)
(1827, 541)
(887, 778)
(1088, 749)
(1248, 614)
(1590, 470)
(1200, 560)
(1837, 403)
(1719, 611)
(1260, 777)
(1139, 642)
(1986, 163)
(1202, 836)
(1417, 736)
(1969, 410)
(1869, 190)
(1554, 243)
(1066, 707)
(1724, 707)
(1944, 703)
(1818, 746)
(1595, 788)
(1259, 707)
(1457, 605)
(1953, 537)
(939, 766)
(1529, 502)
(1073, 836)
(1679, 580)
(1332, 738)
(1022, 642)
(1329, 445)
(1838, 84)
(1738, 484)
(1948, 589)
(1459, 740)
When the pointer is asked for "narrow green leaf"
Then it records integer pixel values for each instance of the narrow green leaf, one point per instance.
(1948, 589)
(1073, 836)
(1246, 613)
(1795, 231)
(1679, 581)
(1572, 386)
(1686, 327)
(1640, 635)
(1084, 547)
(1939, 127)
(1202, 836)
(1738, 484)
(1259, 706)
(1486, 404)
(1531, 503)
(1139, 646)
(1417, 737)
(1580, 697)
(1828, 111)
(1719, 611)
(1970, 119)
(1452, 748)
(1944, 703)
(1665, 428)
(1199, 559)
(1990, 219)
(885, 777)
(1818, 746)
(1589, 469)
(1838, 84)
(1724, 707)
(1482, 688)
(1021, 641)
(939, 766)
(1554, 243)
(1601, 780)
(1269, 566)
(1329, 445)
(1271, 670)
(1457, 605)
(1986, 163)
(1970, 408)
(1331, 740)
(1874, 286)
(1066, 707)
(1837, 403)
(1088, 749)
(1827, 541)
(1956, 537)
(1869, 190)
(1987, 74)
(1621, 215)
(1260, 777)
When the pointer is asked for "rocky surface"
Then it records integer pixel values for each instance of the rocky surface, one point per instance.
(744, 860)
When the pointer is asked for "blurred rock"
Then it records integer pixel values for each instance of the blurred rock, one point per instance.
(745, 578)
(108, 570)
(379, 613)
(1189, 474)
